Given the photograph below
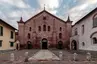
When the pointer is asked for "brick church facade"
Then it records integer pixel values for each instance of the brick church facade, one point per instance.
(44, 31)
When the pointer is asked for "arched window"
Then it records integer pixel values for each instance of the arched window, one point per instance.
(39, 28)
(29, 28)
(76, 33)
(60, 35)
(83, 29)
(28, 35)
(83, 44)
(44, 27)
(95, 21)
(94, 40)
(60, 28)
(48, 28)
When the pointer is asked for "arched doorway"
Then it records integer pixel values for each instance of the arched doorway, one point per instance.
(44, 43)
(29, 45)
(60, 45)
(17, 45)
(74, 45)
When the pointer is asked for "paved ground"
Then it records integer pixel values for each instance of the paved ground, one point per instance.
(44, 55)
(67, 57)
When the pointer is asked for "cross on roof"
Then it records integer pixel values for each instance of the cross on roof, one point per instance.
(44, 6)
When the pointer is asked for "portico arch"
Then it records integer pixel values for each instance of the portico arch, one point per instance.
(60, 45)
(29, 45)
(74, 45)
(93, 34)
(44, 43)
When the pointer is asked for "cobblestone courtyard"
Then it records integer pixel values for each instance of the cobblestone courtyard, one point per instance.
(67, 57)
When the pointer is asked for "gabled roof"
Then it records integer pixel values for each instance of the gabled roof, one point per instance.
(1, 21)
(46, 12)
(85, 16)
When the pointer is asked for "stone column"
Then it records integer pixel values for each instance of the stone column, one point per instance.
(12, 57)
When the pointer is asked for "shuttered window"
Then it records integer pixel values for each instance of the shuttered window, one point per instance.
(1, 31)
(11, 44)
(11, 35)
(0, 43)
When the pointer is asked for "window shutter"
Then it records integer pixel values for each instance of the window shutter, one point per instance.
(1, 31)
(11, 44)
(0, 43)
(11, 34)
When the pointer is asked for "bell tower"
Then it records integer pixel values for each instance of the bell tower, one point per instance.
(21, 31)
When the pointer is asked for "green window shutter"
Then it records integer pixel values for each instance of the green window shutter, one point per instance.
(11, 35)
(0, 43)
(1, 31)
(11, 44)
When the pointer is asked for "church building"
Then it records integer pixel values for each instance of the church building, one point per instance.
(44, 31)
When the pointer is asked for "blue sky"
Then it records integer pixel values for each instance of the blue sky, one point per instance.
(12, 10)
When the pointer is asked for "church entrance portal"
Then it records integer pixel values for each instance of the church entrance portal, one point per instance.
(44, 43)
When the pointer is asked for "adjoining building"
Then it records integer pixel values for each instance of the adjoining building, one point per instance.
(7, 36)
(44, 31)
(84, 33)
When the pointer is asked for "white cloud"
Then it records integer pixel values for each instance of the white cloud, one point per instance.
(81, 10)
(23, 9)
(11, 16)
(15, 14)
(50, 5)
(17, 3)
(2, 16)
(26, 14)
(92, 1)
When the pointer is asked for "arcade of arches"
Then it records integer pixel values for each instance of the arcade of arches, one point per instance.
(44, 44)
